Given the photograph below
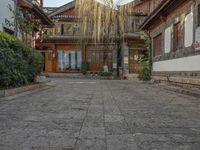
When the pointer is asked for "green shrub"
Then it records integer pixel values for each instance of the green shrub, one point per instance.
(144, 73)
(84, 67)
(19, 65)
(38, 61)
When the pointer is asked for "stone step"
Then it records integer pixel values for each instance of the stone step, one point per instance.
(65, 75)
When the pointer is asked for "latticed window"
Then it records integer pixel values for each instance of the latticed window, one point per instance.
(157, 44)
(177, 36)
(62, 29)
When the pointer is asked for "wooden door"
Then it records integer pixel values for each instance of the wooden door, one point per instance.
(48, 62)
(134, 64)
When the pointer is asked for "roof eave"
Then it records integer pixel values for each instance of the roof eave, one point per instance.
(158, 10)
(38, 11)
(62, 9)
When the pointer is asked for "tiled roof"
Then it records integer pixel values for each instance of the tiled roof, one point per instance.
(62, 9)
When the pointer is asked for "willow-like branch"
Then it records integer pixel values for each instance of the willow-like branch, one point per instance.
(102, 19)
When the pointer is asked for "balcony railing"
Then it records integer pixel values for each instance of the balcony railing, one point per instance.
(140, 13)
(49, 33)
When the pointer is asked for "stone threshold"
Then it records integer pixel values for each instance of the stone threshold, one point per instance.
(132, 76)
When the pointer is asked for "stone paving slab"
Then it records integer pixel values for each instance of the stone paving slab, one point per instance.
(80, 114)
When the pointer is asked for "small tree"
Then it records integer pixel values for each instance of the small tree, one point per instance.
(21, 21)
(146, 60)
(25, 21)
(103, 21)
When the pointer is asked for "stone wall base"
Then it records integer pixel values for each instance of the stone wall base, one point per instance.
(178, 80)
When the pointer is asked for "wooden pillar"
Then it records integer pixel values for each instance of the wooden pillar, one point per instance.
(84, 51)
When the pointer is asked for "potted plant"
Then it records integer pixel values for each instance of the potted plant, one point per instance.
(85, 67)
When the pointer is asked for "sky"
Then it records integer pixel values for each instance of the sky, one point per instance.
(57, 3)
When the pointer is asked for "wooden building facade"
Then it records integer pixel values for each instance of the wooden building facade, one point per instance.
(175, 31)
(62, 47)
(64, 51)
(135, 46)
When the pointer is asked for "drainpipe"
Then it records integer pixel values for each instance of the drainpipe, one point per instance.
(15, 17)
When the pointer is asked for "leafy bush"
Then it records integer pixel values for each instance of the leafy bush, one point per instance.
(19, 65)
(84, 67)
(6, 40)
(144, 73)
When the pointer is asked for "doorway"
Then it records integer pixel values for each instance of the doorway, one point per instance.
(69, 61)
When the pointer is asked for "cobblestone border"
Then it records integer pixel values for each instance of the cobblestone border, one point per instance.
(11, 92)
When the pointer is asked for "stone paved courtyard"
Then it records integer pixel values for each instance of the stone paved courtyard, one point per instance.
(83, 114)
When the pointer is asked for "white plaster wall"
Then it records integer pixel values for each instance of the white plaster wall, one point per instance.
(167, 40)
(182, 64)
(5, 13)
(189, 30)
